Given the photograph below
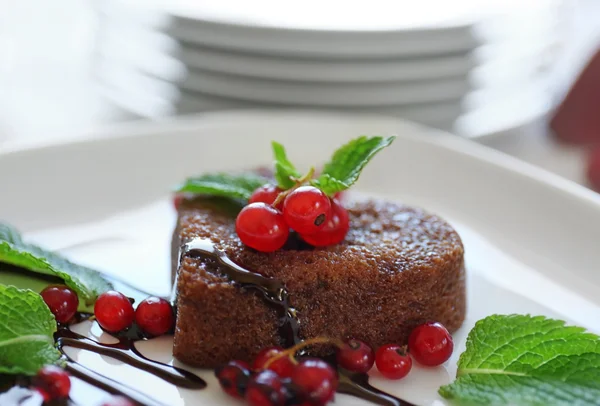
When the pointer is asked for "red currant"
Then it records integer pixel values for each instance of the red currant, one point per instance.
(233, 378)
(356, 356)
(177, 200)
(265, 194)
(282, 366)
(262, 227)
(62, 301)
(392, 361)
(335, 228)
(306, 209)
(316, 380)
(118, 401)
(154, 315)
(265, 389)
(53, 382)
(430, 344)
(114, 311)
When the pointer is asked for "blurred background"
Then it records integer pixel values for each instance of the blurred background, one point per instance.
(491, 70)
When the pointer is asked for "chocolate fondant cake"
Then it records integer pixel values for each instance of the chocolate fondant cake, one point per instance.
(398, 267)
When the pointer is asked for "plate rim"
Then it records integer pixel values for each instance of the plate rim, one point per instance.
(142, 128)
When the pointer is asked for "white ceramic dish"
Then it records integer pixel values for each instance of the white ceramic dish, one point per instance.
(326, 94)
(530, 237)
(331, 29)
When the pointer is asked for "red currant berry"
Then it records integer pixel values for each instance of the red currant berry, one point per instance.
(53, 382)
(265, 194)
(262, 227)
(306, 209)
(316, 380)
(113, 311)
(118, 401)
(154, 316)
(233, 378)
(392, 361)
(62, 301)
(282, 366)
(177, 200)
(356, 356)
(335, 229)
(265, 389)
(430, 344)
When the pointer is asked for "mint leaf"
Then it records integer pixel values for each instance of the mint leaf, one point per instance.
(26, 332)
(88, 283)
(224, 185)
(284, 169)
(344, 168)
(524, 360)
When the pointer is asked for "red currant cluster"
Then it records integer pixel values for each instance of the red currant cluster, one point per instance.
(54, 384)
(113, 310)
(276, 378)
(265, 223)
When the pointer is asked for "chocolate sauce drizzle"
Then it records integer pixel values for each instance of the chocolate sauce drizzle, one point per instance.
(277, 296)
(272, 290)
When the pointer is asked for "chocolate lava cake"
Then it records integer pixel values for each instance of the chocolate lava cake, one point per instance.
(398, 267)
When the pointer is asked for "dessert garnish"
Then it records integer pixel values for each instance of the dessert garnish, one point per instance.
(526, 360)
(87, 283)
(304, 203)
(276, 372)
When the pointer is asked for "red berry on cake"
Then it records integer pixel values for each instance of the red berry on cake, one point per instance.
(392, 361)
(154, 316)
(265, 194)
(355, 356)
(114, 311)
(335, 229)
(306, 209)
(62, 301)
(430, 344)
(262, 227)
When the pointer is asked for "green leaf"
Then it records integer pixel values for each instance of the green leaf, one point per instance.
(26, 332)
(284, 169)
(344, 168)
(88, 284)
(224, 185)
(524, 360)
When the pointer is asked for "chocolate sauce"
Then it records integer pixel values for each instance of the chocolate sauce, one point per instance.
(272, 290)
(357, 385)
(277, 296)
(125, 351)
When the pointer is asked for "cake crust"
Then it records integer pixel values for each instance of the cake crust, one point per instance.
(398, 267)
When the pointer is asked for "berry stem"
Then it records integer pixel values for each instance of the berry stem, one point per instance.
(299, 182)
(291, 352)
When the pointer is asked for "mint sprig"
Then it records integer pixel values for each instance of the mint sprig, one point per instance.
(26, 332)
(344, 168)
(285, 171)
(524, 360)
(340, 173)
(222, 184)
(88, 283)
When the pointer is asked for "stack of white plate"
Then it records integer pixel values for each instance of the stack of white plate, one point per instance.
(430, 61)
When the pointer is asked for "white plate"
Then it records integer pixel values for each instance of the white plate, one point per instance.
(530, 237)
(332, 29)
(325, 94)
